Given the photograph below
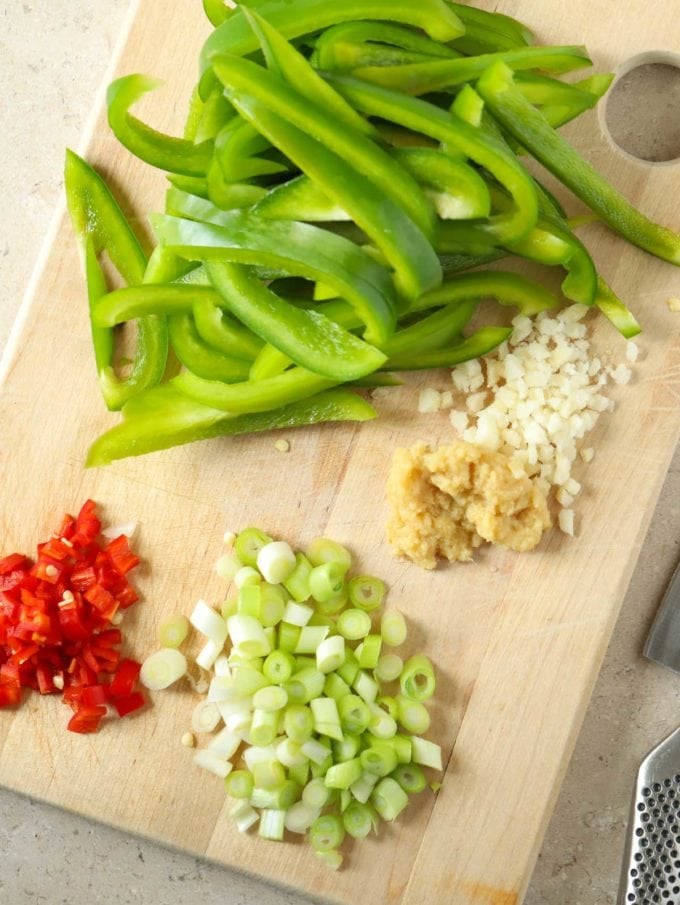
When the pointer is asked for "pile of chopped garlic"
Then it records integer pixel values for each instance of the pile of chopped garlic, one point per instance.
(535, 398)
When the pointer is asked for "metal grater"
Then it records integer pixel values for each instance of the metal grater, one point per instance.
(651, 861)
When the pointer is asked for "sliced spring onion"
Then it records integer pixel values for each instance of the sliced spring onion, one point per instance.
(354, 624)
(335, 687)
(248, 544)
(209, 653)
(213, 763)
(357, 818)
(276, 561)
(272, 604)
(205, 717)
(342, 775)
(305, 685)
(289, 635)
(323, 550)
(389, 799)
(247, 635)
(247, 575)
(271, 697)
(330, 653)
(229, 607)
(393, 628)
(300, 774)
(245, 680)
(389, 704)
(315, 751)
(379, 759)
(332, 859)
(333, 605)
(208, 622)
(244, 816)
(310, 639)
(250, 600)
(368, 652)
(389, 667)
(413, 715)
(426, 753)
(366, 687)
(350, 668)
(326, 718)
(417, 679)
(327, 581)
(163, 669)
(346, 748)
(403, 748)
(298, 722)
(225, 744)
(410, 777)
(268, 773)
(316, 794)
(221, 666)
(173, 632)
(297, 583)
(279, 798)
(263, 727)
(366, 592)
(381, 724)
(272, 824)
(297, 613)
(327, 833)
(362, 789)
(278, 667)
(239, 784)
(300, 816)
(227, 566)
(289, 753)
(354, 714)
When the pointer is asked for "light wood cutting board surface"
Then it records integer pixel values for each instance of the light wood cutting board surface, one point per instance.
(517, 640)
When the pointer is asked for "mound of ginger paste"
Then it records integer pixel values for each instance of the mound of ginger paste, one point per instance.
(447, 501)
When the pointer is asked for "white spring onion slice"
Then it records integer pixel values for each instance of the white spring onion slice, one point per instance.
(247, 575)
(248, 635)
(163, 669)
(209, 654)
(300, 817)
(426, 753)
(244, 816)
(276, 561)
(227, 566)
(332, 859)
(330, 654)
(297, 613)
(271, 697)
(315, 751)
(393, 628)
(289, 753)
(173, 632)
(221, 666)
(389, 667)
(272, 824)
(208, 622)
(310, 638)
(225, 744)
(205, 717)
(211, 761)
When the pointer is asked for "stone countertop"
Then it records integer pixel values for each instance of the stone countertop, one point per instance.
(52, 59)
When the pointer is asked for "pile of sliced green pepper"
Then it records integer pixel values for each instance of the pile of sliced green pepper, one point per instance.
(342, 167)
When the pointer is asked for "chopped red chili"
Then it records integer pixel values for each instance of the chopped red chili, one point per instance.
(56, 632)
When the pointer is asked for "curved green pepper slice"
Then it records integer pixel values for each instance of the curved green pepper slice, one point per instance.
(488, 32)
(175, 155)
(432, 332)
(199, 357)
(305, 336)
(528, 126)
(219, 330)
(330, 47)
(163, 417)
(484, 340)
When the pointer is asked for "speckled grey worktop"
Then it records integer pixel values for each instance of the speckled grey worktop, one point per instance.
(52, 58)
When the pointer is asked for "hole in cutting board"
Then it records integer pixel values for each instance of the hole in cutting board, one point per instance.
(642, 113)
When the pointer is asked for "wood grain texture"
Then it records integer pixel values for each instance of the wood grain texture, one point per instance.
(517, 640)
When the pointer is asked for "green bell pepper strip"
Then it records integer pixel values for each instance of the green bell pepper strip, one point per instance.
(304, 17)
(432, 332)
(542, 90)
(175, 155)
(200, 358)
(305, 336)
(457, 190)
(528, 126)
(253, 395)
(404, 246)
(228, 196)
(243, 77)
(487, 31)
(479, 343)
(220, 331)
(163, 417)
(421, 116)
(100, 226)
(437, 75)
(461, 193)
(329, 46)
(289, 64)
(136, 301)
(505, 287)
(216, 11)
(269, 363)
(348, 58)
(236, 147)
(215, 114)
(297, 248)
(615, 311)
(193, 185)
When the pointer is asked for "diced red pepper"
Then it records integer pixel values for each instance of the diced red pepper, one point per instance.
(83, 576)
(86, 719)
(123, 683)
(94, 695)
(120, 554)
(12, 562)
(10, 694)
(88, 525)
(55, 548)
(129, 703)
(100, 598)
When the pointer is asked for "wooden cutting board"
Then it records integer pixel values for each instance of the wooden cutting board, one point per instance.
(517, 640)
